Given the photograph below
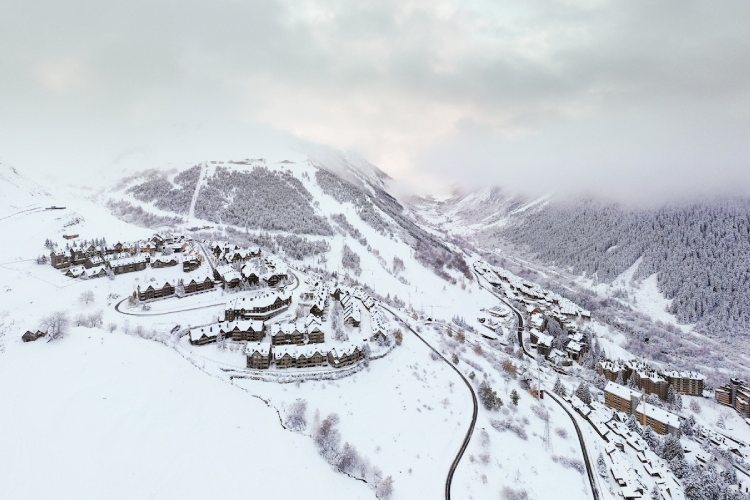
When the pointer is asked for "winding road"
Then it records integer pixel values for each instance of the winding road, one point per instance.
(519, 317)
(472, 424)
(584, 450)
(589, 468)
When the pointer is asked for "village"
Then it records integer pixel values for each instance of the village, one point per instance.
(622, 405)
(246, 314)
(272, 318)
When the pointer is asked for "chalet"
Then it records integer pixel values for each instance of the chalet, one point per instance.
(352, 314)
(203, 335)
(315, 335)
(318, 306)
(93, 261)
(70, 236)
(94, 272)
(298, 356)
(157, 241)
(129, 264)
(59, 259)
(262, 306)
(191, 264)
(119, 247)
(283, 359)
(228, 275)
(288, 333)
(273, 278)
(258, 356)
(311, 357)
(542, 341)
(164, 261)
(30, 336)
(575, 350)
(345, 355)
(78, 256)
(243, 330)
(198, 285)
(155, 292)
(251, 273)
(75, 272)
(175, 247)
(235, 256)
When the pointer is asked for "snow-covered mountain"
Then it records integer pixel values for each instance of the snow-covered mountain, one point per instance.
(696, 253)
(332, 211)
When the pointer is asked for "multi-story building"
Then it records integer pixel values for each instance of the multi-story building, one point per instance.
(658, 419)
(620, 397)
(686, 382)
(735, 394)
(651, 382)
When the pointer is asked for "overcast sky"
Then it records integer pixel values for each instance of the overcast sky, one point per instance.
(633, 98)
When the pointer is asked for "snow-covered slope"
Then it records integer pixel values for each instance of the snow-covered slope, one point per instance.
(317, 209)
(101, 415)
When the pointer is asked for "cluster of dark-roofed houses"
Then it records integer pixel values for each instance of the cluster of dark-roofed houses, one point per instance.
(225, 274)
(95, 261)
(300, 343)
(567, 313)
(540, 305)
(237, 266)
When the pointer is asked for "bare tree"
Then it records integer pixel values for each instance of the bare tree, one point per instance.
(384, 488)
(297, 418)
(56, 324)
(87, 297)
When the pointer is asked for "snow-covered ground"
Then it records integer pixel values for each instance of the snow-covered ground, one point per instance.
(107, 415)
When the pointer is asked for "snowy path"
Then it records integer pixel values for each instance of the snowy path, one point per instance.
(472, 424)
(194, 199)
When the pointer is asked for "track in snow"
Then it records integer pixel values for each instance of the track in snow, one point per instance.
(194, 199)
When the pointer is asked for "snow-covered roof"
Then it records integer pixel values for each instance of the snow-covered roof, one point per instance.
(544, 339)
(198, 333)
(660, 414)
(262, 348)
(243, 325)
(574, 346)
(259, 300)
(228, 273)
(621, 390)
(690, 375)
(126, 261)
(295, 351)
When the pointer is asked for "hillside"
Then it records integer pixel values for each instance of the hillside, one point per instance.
(331, 211)
(698, 252)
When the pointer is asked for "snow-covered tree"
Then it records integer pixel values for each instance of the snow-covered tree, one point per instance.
(488, 397)
(297, 416)
(514, 397)
(601, 465)
(56, 325)
(583, 393)
(559, 388)
(87, 297)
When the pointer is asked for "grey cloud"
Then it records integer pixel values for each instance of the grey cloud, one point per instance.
(614, 94)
